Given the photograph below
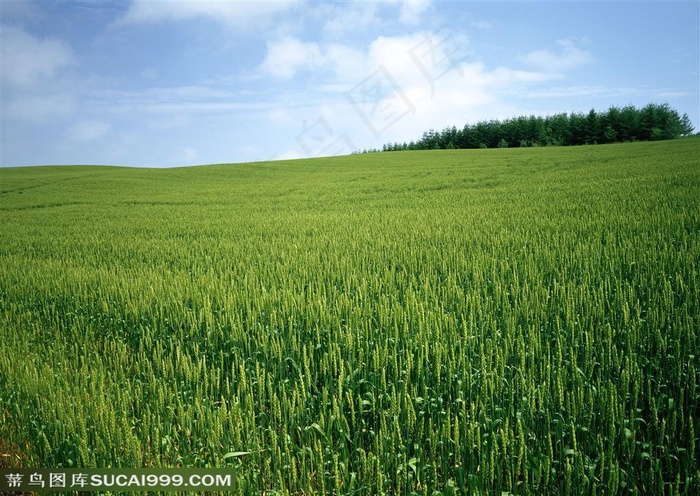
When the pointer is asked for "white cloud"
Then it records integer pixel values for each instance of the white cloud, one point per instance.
(393, 90)
(287, 56)
(238, 12)
(347, 62)
(345, 65)
(567, 57)
(28, 61)
(412, 11)
(474, 92)
(349, 18)
(432, 82)
(32, 73)
(344, 19)
(410, 57)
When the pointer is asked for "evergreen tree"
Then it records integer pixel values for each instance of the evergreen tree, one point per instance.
(629, 123)
(578, 129)
(652, 122)
(686, 127)
(593, 131)
(611, 123)
(609, 134)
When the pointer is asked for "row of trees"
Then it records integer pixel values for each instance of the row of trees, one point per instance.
(652, 122)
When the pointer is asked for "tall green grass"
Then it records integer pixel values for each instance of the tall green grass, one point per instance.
(470, 322)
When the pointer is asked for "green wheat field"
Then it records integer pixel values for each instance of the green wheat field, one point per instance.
(521, 321)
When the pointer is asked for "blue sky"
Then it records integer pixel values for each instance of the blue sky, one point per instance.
(171, 83)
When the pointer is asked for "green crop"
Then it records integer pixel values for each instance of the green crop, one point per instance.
(518, 321)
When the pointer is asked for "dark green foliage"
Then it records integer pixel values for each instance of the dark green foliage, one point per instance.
(651, 123)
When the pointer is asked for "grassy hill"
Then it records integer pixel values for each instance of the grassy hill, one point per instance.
(517, 320)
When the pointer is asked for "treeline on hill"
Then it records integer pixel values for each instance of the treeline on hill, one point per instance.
(652, 122)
